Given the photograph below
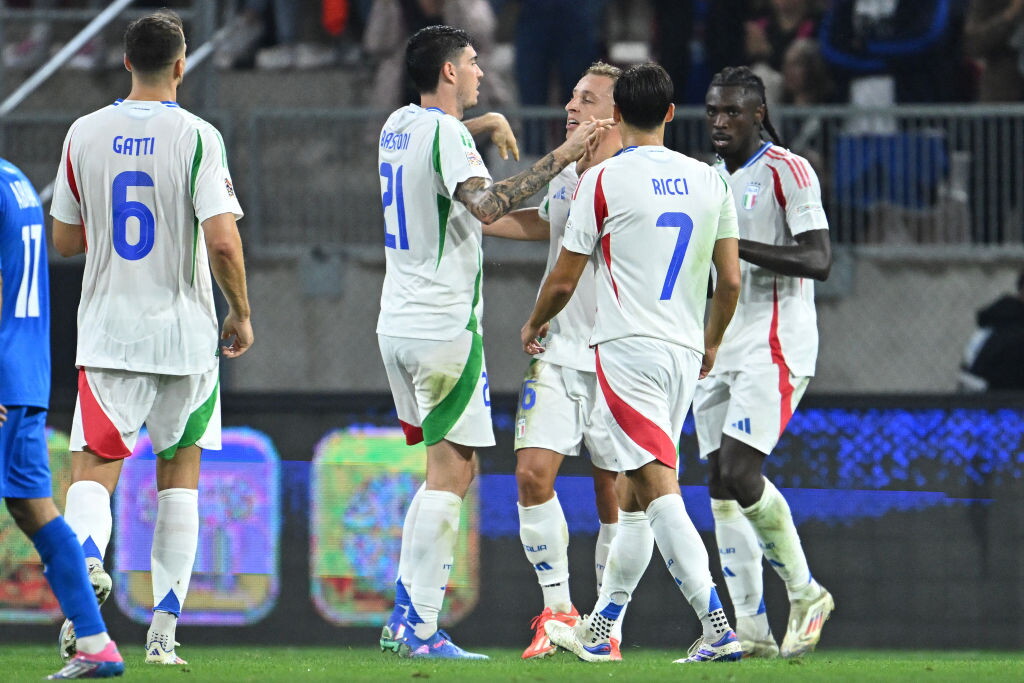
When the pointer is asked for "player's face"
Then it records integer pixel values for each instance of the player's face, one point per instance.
(592, 96)
(734, 119)
(467, 78)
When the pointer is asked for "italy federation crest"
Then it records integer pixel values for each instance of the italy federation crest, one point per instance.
(750, 195)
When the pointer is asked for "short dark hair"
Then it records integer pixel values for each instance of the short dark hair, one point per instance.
(643, 94)
(155, 41)
(427, 51)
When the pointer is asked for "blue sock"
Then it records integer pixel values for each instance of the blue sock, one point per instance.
(64, 568)
(402, 601)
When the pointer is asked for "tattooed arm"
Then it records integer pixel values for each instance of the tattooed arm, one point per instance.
(490, 202)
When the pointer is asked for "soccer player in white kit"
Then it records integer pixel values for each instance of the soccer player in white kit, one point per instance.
(764, 365)
(435, 191)
(654, 220)
(143, 189)
(560, 388)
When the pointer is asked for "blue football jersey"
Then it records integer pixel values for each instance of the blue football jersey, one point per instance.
(25, 321)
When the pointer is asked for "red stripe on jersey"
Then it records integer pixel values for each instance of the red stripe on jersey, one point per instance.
(777, 182)
(71, 177)
(413, 434)
(644, 433)
(785, 388)
(606, 251)
(803, 179)
(101, 436)
(579, 182)
(600, 204)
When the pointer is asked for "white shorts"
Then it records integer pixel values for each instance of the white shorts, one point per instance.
(753, 406)
(113, 405)
(556, 406)
(440, 389)
(646, 389)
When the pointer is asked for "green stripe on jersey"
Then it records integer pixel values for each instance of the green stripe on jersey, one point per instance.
(196, 426)
(443, 417)
(444, 207)
(197, 159)
(474, 325)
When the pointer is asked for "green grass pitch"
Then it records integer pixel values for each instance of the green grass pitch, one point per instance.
(294, 665)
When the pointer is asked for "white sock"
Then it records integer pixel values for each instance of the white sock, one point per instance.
(628, 557)
(604, 543)
(433, 543)
(92, 645)
(773, 524)
(163, 631)
(687, 562)
(87, 512)
(740, 556)
(545, 537)
(406, 561)
(175, 539)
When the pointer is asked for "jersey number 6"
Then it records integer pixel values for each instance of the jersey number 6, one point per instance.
(124, 209)
(675, 219)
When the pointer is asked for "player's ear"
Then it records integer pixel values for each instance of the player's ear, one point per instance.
(448, 72)
(670, 113)
(127, 64)
(179, 68)
(760, 112)
(616, 115)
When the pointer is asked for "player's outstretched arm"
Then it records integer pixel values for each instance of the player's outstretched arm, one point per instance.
(68, 239)
(497, 126)
(490, 202)
(723, 301)
(811, 256)
(554, 294)
(224, 245)
(521, 224)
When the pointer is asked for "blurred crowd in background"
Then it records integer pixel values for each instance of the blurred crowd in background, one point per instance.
(865, 52)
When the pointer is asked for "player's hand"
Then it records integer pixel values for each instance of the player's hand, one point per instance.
(503, 137)
(592, 152)
(709, 361)
(241, 330)
(3, 414)
(531, 337)
(576, 143)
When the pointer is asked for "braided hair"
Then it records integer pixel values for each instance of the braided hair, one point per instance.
(743, 77)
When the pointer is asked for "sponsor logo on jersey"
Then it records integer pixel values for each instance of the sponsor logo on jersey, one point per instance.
(742, 425)
(750, 195)
(229, 187)
(561, 194)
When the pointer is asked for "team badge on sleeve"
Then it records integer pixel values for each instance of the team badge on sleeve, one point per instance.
(474, 158)
(229, 187)
(750, 195)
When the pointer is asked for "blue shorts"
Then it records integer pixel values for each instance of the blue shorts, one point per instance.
(24, 457)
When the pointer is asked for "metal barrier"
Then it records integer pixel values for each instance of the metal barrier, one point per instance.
(906, 175)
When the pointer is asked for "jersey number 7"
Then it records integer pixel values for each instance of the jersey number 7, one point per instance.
(675, 219)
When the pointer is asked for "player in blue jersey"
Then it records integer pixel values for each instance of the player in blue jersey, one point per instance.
(24, 399)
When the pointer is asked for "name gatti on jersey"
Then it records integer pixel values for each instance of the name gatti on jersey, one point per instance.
(133, 147)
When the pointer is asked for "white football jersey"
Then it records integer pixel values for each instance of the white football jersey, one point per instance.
(651, 217)
(777, 197)
(141, 177)
(568, 340)
(432, 243)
